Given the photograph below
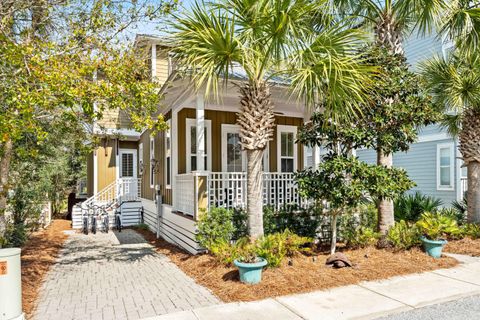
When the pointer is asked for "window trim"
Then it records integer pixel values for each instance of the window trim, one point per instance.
(134, 161)
(141, 169)
(189, 123)
(152, 157)
(286, 129)
(449, 146)
(168, 154)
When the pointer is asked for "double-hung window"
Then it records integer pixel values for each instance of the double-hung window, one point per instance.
(287, 150)
(168, 157)
(445, 166)
(191, 145)
(152, 160)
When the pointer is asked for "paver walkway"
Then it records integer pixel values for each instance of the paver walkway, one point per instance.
(116, 276)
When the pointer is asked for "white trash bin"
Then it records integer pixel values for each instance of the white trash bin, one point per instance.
(10, 285)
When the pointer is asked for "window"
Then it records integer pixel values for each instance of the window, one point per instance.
(445, 166)
(309, 157)
(168, 157)
(127, 165)
(287, 153)
(152, 162)
(191, 137)
(140, 158)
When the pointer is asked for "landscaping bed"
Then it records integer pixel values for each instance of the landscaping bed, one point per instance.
(465, 246)
(38, 255)
(303, 275)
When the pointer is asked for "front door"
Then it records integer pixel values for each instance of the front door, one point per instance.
(128, 182)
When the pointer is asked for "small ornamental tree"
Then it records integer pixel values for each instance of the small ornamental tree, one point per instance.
(399, 106)
(341, 179)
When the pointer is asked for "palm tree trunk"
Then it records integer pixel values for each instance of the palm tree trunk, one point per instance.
(473, 193)
(257, 122)
(388, 33)
(254, 193)
(385, 206)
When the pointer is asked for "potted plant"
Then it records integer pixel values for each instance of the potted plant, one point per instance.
(435, 228)
(249, 264)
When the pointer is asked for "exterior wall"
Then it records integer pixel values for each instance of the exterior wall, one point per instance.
(114, 119)
(147, 191)
(106, 167)
(224, 117)
(162, 65)
(90, 179)
(421, 165)
(418, 48)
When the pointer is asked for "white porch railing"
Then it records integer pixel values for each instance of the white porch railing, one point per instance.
(184, 200)
(123, 189)
(463, 186)
(229, 190)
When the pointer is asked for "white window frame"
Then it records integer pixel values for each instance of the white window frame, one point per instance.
(152, 157)
(286, 129)
(134, 161)
(208, 153)
(168, 154)
(449, 146)
(141, 170)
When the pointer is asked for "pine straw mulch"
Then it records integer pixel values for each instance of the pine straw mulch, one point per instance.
(303, 276)
(38, 255)
(464, 246)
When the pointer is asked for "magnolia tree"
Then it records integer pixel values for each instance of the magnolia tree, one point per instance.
(341, 179)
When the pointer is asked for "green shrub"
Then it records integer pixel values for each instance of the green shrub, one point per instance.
(142, 226)
(239, 219)
(16, 235)
(471, 230)
(361, 237)
(215, 227)
(436, 226)
(453, 213)
(304, 222)
(349, 223)
(403, 235)
(410, 207)
(275, 247)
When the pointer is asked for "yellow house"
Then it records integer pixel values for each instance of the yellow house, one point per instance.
(169, 178)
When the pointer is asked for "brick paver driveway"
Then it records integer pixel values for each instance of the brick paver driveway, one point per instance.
(116, 276)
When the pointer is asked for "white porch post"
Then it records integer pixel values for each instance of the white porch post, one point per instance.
(154, 61)
(200, 132)
(174, 154)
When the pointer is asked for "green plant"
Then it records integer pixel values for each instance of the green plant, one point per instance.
(239, 219)
(215, 227)
(301, 221)
(403, 235)
(361, 237)
(461, 210)
(275, 247)
(409, 207)
(471, 230)
(454, 214)
(435, 226)
(142, 226)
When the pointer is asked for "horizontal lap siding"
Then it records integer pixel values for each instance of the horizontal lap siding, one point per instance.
(421, 164)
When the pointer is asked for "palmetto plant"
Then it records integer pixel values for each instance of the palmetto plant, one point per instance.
(454, 83)
(293, 41)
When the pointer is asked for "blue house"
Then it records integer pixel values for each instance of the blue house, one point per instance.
(434, 161)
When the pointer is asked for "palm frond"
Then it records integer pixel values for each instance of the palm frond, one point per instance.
(461, 23)
(330, 73)
(420, 15)
(452, 123)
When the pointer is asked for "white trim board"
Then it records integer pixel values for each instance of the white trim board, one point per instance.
(135, 156)
(189, 123)
(451, 146)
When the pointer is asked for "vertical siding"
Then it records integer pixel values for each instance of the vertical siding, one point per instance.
(106, 170)
(223, 117)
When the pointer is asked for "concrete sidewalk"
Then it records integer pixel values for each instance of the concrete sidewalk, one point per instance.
(367, 300)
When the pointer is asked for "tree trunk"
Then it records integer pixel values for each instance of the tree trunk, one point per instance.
(4, 172)
(254, 193)
(257, 121)
(388, 33)
(473, 193)
(385, 206)
(470, 148)
(333, 243)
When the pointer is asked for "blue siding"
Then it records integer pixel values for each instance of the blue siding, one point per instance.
(418, 48)
(431, 129)
(367, 155)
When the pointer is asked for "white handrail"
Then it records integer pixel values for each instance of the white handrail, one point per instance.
(123, 189)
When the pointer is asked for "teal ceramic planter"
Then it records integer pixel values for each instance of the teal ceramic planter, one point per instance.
(251, 273)
(433, 247)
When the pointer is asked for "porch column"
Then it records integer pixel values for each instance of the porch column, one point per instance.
(200, 132)
(154, 61)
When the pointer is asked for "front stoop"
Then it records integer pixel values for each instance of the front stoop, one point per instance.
(367, 300)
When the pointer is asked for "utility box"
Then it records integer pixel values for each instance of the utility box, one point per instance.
(10, 285)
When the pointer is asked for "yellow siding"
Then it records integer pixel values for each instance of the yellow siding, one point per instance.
(106, 171)
(162, 65)
(114, 119)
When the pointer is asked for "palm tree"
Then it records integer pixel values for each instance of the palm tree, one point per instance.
(270, 39)
(391, 21)
(454, 82)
